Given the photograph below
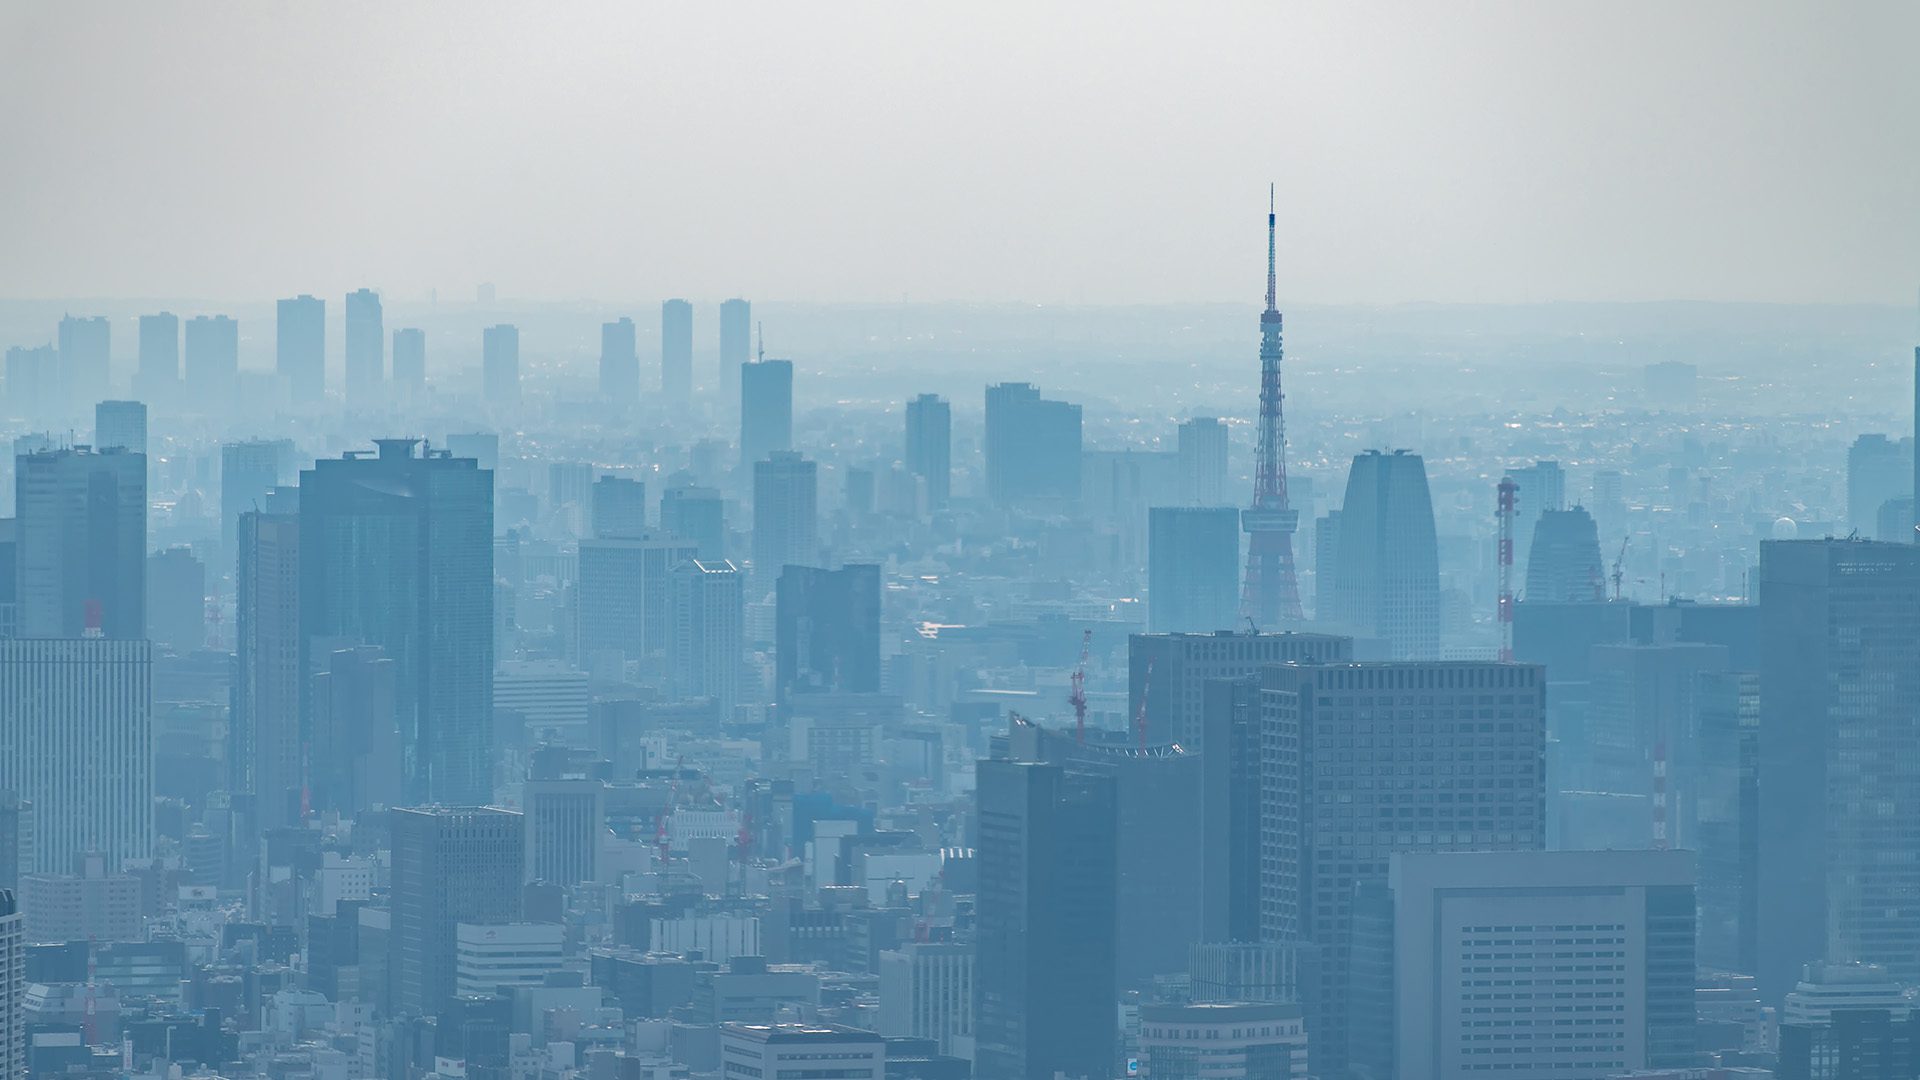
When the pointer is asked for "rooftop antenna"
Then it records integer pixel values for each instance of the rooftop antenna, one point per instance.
(760, 338)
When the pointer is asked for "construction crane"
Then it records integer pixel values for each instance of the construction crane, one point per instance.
(1140, 714)
(1077, 697)
(1618, 573)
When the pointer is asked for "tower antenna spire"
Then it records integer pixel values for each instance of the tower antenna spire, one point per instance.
(1270, 596)
(1271, 292)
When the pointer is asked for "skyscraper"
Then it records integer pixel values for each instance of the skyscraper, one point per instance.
(1540, 488)
(121, 424)
(1388, 584)
(676, 350)
(619, 363)
(212, 361)
(1324, 837)
(1203, 461)
(766, 409)
(1541, 910)
(177, 600)
(1045, 923)
(625, 593)
(736, 340)
(451, 865)
(300, 347)
(1170, 671)
(1879, 470)
(82, 543)
(1193, 568)
(249, 470)
(409, 362)
(1839, 690)
(13, 987)
(366, 359)
(827, 631)
(786, 516)
(1563, 564)
(709, 633)
(619, 507)
(157, 378)
(565, 819)
(354, 748)
(264, 743)
(1033, 446)
(696, 514)
(930, 446)
(76, 740)
(500, 363)
(396, 551)
(33, 381)
(84, 358)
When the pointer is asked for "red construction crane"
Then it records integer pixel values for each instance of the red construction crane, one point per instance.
(1078, 696)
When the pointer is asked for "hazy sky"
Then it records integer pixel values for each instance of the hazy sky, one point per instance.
(1058, 153)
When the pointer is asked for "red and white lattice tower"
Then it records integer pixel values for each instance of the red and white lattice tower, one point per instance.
(1271, 595)
(1509, 495)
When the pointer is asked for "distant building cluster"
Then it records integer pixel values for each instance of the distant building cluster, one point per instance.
(370, 716)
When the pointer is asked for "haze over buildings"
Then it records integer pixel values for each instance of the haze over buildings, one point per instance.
(1109, 634)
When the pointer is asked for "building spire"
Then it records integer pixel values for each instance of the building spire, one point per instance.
(1270, 288)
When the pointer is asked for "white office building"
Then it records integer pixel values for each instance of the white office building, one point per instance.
(926, 992)
(490, 956)
(76, 740)
(549, 695)
(814, 1051)
(1223, 1041)
(1571, 964)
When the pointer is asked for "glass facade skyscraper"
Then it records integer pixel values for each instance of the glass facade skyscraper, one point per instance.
(396, 551)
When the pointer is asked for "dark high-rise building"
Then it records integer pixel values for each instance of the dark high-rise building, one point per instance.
(766, 409)
(121, 424)
(354, 748)
(249, 471)
(1033, 446)
(1839, 690)
(1879, 470)
(736, 344)
(930, 446)
(212, 360)
(81, 552)
(827, 631)
(696, 514)
(264, 744)
(1389, 562)
(786, 515)
(396, 551)
(409, 361)
(451, 865)
(1158, 808)
(177, 600)
(619, 507)
(1563, 564)
(1045, 983)
(1722, 817)
(500, 363)
(366, 354)
(1539, 488)
(1182, 664)
(1229, 831)
(1203, 461)
(84, 357)
(676, 350)
(564, 820)
(1193, 569)
(157, 378)
(1325, 837)
(619, 363)
(300, 347)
